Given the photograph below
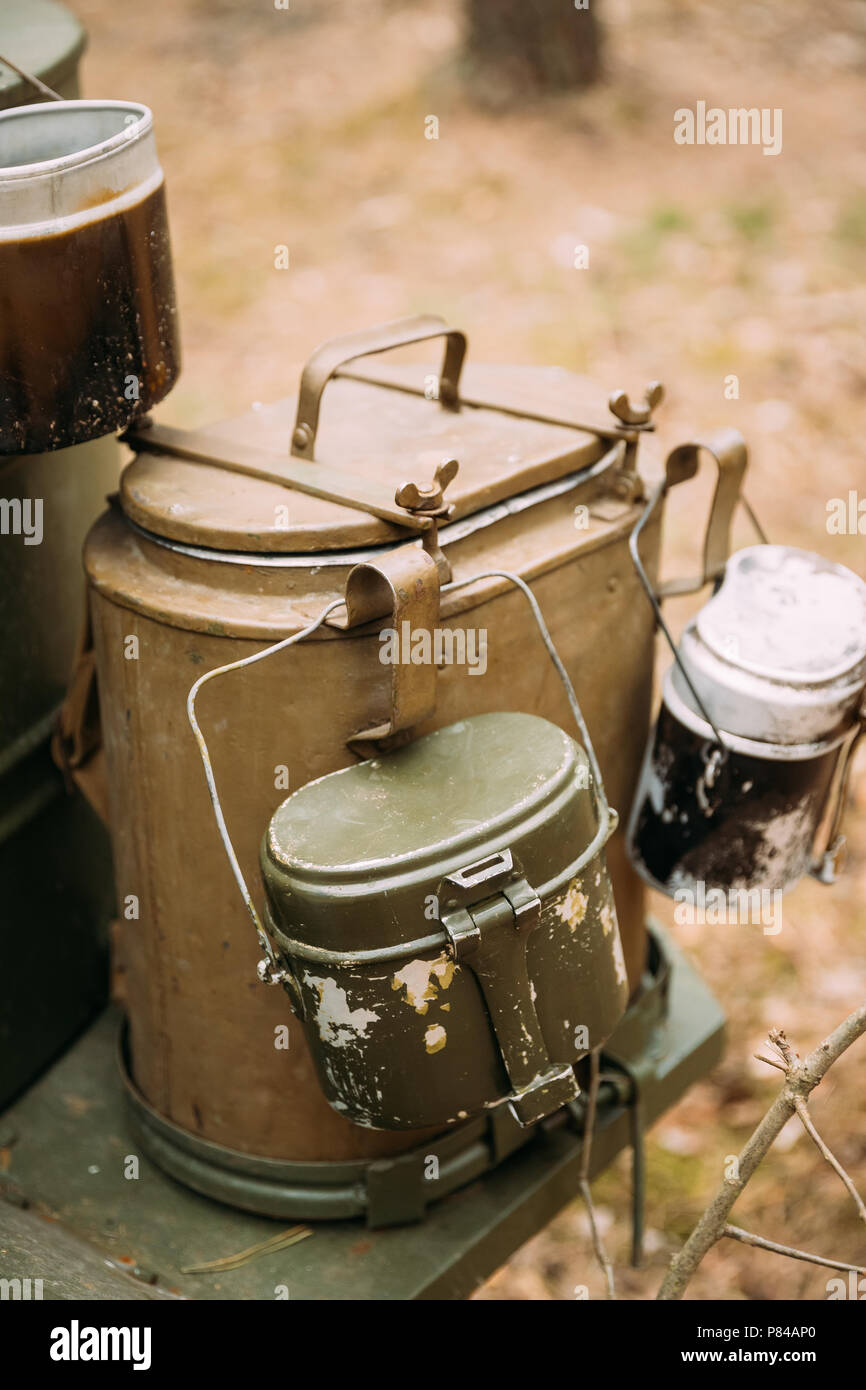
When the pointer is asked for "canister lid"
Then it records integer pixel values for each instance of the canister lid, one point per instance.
(787, 614)
(375, 422)
(779, 653)
(352, 857)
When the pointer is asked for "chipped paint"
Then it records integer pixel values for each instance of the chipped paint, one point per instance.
(354, 1092)
(338, 1025)
(422, 981)
(610, 927)
(572, 908)
(435, 1038)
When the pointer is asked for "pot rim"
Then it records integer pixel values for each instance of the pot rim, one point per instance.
(748, 747)
(131, 134)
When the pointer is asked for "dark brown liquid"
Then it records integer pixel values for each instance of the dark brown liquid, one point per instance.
(83, 312)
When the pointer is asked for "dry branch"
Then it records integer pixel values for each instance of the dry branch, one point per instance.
(801, 1079)
(803, 1112)
(749, 1238)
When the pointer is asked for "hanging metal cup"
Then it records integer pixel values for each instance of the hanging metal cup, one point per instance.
(744, 779)
(88, 325)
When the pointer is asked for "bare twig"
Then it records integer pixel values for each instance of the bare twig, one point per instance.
(801, 1079)
(802, 1110)
(281, 1241)
(759, 1057)
(585, 1155)
(747, 1238)
(783, 1047)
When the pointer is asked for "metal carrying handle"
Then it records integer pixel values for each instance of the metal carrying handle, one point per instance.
(728, 448)
(270, 970)
(327, 360)
(825, 867)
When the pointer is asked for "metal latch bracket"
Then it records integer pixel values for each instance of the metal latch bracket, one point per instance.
(488, 911)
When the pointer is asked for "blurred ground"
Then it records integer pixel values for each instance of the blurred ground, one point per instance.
(306, 128)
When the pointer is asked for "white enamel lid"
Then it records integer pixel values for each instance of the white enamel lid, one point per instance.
(779, 653)
(787, 614)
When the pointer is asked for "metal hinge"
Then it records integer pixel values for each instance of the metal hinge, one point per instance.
(488, 911)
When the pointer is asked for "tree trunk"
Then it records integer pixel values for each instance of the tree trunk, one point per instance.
(546, 45)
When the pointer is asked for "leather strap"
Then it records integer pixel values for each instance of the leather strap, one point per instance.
(76, 745)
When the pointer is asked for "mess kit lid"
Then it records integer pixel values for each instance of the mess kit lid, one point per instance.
(780, 651)
(350, 859)
(378, 425)
(790, 614)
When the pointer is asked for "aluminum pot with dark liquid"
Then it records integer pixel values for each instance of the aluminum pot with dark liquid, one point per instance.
(88, 324)
(759, 719)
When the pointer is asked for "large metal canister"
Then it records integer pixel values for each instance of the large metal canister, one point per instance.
(47, 503)
(201, 562)
(447, 922)
(759, 717)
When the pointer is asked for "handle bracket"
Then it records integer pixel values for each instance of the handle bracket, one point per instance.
(402, 585)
